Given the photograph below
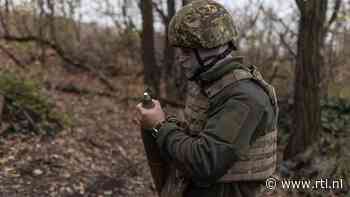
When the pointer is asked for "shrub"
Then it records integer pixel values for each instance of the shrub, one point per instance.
(335, 115)
(27, 109)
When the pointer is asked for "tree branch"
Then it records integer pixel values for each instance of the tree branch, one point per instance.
(2, 104)
(273, 17)
(274, 74)
(3, 18)
(300, 4)
(252, 21)
(161, 13)
(62, 54)
(287, 46)
(334, 15)
(281, 35)
(12, 57)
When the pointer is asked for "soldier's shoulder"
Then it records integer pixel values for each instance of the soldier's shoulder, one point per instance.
(246, 91)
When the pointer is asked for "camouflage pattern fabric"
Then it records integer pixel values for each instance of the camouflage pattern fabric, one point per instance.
(195, 118)
(196, 107)
(202, 24)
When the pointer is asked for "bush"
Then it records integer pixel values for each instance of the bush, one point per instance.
(335, 115)
(329, 156)
(27, 109)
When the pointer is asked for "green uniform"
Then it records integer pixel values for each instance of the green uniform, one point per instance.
(237, 115)
(229, 145)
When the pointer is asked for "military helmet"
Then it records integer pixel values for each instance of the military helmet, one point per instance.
(202, 24)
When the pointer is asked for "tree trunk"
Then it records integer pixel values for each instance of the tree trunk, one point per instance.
(170, 71)
(176, 82)
(307, 109)
(151, 70)
(2, 104)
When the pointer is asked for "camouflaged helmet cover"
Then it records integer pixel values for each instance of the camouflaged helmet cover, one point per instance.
(202, 24)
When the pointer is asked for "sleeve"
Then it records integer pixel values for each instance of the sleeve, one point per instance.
(208, 156)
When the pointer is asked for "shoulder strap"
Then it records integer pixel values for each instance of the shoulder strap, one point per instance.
(230, 78)
(241, 73)
(269, 89)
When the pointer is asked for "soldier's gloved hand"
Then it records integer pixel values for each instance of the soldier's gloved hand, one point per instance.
(151, 117)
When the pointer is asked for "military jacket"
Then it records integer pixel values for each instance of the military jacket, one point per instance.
(236, 116)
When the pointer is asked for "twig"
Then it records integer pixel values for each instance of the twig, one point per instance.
(334, 15)
(12, 56)
(71, 88)
(31, 121)
(287, 46)
(2, 104)
(63, 55)
(163, 16)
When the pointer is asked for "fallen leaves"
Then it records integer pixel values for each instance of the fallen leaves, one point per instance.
(101, 155)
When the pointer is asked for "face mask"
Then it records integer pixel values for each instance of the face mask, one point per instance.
(188, 62)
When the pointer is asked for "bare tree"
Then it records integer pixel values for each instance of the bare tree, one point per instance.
(151, 70)
(57, 26)
(313, 26)
(169, 57)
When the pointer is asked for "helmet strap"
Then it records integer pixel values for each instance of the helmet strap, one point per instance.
(198, 57)
(205, 67)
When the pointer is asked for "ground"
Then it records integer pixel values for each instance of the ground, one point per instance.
(100, 155)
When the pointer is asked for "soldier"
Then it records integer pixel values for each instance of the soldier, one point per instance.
(229, 146)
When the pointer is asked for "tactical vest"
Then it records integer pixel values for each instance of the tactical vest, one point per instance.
(195, 117)
(259, 162)
(197, 104)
